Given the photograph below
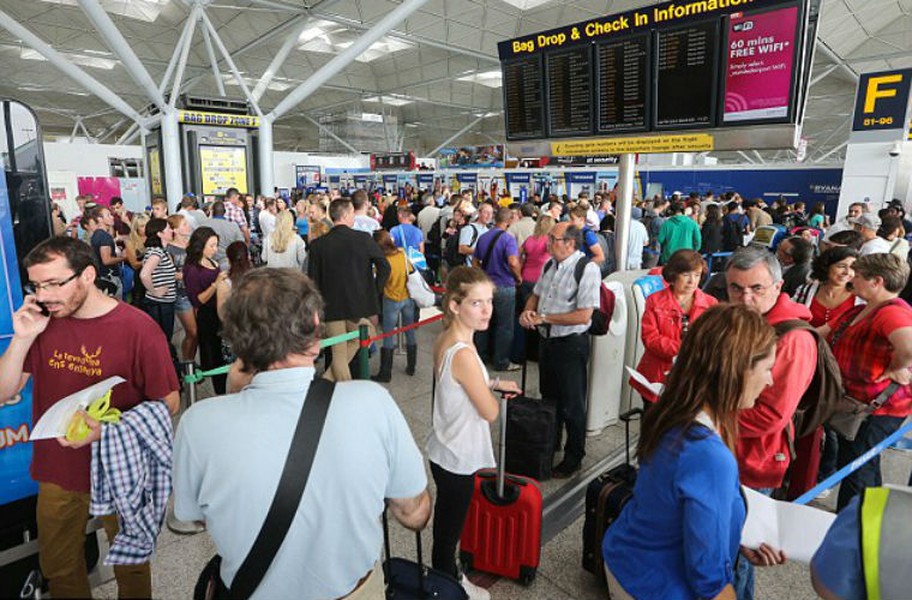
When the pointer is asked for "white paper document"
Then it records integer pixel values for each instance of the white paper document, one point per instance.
(795, 529)
(655, 388)
(54, 422)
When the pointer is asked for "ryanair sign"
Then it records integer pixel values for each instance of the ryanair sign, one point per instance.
(193, 117)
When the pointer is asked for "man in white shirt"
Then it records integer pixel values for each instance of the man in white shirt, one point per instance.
(867, 225)
(363, 222)
(468, 237)
(856, 209)
(267, 217)
(637, 239)
(525, 226)
(428, 215)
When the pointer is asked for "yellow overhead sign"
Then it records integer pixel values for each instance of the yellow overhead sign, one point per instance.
(194, 117)
(647, 144)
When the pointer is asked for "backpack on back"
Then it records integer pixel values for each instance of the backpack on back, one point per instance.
(601, 316)
(451, 251)
(819, 401)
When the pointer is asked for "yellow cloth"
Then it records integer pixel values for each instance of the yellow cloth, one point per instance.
(505, 202)
(395, 288)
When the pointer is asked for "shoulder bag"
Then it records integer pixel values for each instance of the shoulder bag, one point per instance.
(417, 286)
(295, 473)
(414, 255)
(850, 413)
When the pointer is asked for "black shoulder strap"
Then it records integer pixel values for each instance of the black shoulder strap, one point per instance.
(578, 270)
(291, 488)
(490, 250)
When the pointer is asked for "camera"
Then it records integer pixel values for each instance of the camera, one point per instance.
(896, 149)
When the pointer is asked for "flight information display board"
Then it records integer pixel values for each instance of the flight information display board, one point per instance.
(622, 78)
(524, 98)
(569, 77)
(680, 65)
(686, 76)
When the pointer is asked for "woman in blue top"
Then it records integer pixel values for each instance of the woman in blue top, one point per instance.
(679, 535)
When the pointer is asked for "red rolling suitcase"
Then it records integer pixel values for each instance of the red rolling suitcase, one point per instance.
(502, 533)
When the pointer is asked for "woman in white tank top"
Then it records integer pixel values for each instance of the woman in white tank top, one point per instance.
(464, 407)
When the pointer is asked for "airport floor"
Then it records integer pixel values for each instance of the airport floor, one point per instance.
(179, 558)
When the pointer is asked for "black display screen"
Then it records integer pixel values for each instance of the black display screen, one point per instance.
(622, 75)
(524, 98)
(569, 83)
(686, 66)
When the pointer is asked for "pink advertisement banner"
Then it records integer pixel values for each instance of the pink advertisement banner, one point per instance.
(761, 58)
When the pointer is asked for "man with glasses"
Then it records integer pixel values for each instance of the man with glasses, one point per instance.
(67, 336)
(754, 278)
(562, 311)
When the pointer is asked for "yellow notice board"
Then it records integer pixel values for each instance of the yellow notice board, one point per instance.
(693, 142)
(223, 167)
(155, 171)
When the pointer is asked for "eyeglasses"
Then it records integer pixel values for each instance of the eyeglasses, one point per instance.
(755, 290)
(34, 288)
(553, 239)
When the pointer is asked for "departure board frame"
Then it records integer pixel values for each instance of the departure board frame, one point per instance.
(645, 25)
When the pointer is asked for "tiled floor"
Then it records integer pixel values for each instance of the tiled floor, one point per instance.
(560, 576)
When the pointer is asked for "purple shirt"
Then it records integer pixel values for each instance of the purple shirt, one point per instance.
(497, 267)
(196, 279)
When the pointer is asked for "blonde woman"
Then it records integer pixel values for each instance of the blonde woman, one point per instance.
(283, 247)
(134, 250)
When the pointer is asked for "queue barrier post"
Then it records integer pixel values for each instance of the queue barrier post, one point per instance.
(189, 372)
(363, 352)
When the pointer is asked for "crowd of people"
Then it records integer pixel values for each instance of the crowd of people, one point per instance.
(520, 281)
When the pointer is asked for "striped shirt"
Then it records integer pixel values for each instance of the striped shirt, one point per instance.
(164, 275)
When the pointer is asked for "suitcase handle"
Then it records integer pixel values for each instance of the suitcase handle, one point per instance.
(504, 497)
(626, 418)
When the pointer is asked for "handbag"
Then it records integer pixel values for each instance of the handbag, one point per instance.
(295, 473)
(418, 288)
(410, 580)
(851, 413)
(418, 260)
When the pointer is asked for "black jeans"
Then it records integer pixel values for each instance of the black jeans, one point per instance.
(454, 494)
(163, 314)
(562, 367)
(873, 431)
(208, 326)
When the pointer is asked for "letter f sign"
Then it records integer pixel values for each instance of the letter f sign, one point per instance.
(875, 90)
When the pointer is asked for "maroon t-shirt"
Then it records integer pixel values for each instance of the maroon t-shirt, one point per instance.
(73, 354)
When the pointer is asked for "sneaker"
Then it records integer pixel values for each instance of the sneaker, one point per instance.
(565, 469)
(475, 592)
(511, 367)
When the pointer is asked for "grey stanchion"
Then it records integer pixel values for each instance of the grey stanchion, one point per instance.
(175, 524)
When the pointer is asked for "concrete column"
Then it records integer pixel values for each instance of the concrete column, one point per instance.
(264, 144)
(171, 158)
(622, 210)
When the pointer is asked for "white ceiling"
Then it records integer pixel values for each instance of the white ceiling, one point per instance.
(442, 71)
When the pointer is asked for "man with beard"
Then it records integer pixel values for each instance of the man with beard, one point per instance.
(67, 336)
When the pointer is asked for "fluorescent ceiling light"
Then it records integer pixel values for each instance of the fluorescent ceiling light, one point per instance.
(95, 62)
(141, 10)
(491, 79)
(390, 100)
(372, 117)
(526, 4)
(32, 88)
(329, 38)
(277, 84)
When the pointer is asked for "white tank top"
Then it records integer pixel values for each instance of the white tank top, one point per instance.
(460, 440)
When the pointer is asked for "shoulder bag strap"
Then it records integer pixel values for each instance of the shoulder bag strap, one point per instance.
(487, 256)
(291, 488)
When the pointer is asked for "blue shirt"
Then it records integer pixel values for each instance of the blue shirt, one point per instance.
(497, 267)
(407, 235)
(589, 240)
(228, 457)
(679, 535)
(837, 563)
(302, 225)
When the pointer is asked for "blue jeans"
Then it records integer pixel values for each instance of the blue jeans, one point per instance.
(873, 431)
(502, 322)
(391, 311)
(744, 570)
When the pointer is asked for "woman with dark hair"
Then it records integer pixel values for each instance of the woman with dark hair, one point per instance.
(668, 316)
(201, 279)
(159, 276)
(238, 263)
(712, 230)
(819, 219)
(891, 229)
(679, 535)
(396, 301)
(828, 294)
(873, 346)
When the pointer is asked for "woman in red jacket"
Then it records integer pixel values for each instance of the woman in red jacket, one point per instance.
(669, 314)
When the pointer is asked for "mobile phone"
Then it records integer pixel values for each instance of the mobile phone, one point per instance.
(44, 310)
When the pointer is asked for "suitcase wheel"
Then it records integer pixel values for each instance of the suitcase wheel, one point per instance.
(527, 575)
(465, 558)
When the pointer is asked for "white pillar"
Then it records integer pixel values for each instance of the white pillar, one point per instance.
(622, 211)
(170, 149)
(264, 144)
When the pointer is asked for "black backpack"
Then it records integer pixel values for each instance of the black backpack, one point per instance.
(451, 252)
(434, 239)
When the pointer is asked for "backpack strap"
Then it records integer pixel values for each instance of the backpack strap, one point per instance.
(490, 250)
(578, 270)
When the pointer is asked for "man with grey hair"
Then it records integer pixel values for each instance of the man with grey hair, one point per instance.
(332, 548)
(561, 309)
(754, 278)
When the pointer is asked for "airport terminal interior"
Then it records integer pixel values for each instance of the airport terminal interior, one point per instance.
(779, 127)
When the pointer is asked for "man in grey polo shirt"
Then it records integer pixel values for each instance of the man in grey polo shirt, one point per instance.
(562, 311)
(229, 452)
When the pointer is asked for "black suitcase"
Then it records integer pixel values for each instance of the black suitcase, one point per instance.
(531, 425)
(606, 496)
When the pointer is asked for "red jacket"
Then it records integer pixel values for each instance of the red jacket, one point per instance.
(762, 449)
(661, 333)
